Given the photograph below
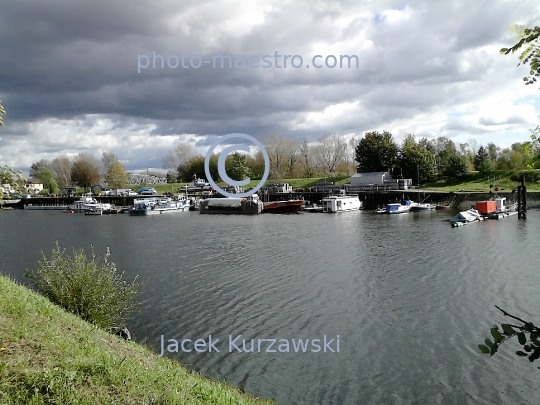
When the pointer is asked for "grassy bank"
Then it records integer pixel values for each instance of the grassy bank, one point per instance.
(49, 356)
(296, 183)
(505, 180)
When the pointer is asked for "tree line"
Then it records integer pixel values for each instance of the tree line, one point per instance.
(331, 156)
(84, 170)
(334, 155)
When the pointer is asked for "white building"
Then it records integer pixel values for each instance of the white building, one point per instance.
(34, 186)
(375, 178)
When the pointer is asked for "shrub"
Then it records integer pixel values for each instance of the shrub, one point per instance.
(91, 288)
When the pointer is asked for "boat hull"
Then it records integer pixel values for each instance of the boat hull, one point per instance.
(240, 206)
(283, 207)
(46, 207)
(423, 207)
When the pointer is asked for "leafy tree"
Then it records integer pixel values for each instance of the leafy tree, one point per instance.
(97, 163)
(514, 158)
(527, 333)
(453, 164)
(531, 55)
(444, 144)
(414, 158)
(84, 173)
(46, 175)
(493, 151)
(376, 152)
(195, 166)
(9, 175)
(256, 164)
(38, 167)
(237, 168)
(117, 176)
(482, 161)
(2, 113)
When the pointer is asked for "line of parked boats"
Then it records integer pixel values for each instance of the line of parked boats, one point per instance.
(496, 208)
(493, 209)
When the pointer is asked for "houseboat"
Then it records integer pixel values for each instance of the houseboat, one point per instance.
(341, 203)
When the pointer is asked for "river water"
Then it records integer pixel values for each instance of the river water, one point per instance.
(409, 296)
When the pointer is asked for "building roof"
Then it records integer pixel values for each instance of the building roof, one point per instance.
(34, 181)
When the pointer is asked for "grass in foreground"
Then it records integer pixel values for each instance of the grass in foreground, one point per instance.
(49, 356)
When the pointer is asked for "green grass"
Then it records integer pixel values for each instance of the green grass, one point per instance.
(49, 356)
(505, 180)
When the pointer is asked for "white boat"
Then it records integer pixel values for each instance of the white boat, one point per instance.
(465, 217)
(397, 208)
(162, 206)
(90, 206)
(93, 207)
(197, 185)
(341, 203)
(423, 207)
(168, 206)
(94, 210)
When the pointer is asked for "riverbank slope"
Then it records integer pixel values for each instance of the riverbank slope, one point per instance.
(50, 356)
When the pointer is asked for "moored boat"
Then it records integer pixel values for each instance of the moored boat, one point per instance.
(423, 207)
(466, 217)
(93, 210)
(250, 205)
(197, 185)
(283, 207)
(341, 203)
(396, 208)
(160, 206)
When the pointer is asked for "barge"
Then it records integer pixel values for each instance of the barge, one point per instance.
(250, 205)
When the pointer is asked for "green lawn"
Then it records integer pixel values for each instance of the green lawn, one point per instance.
(49, 356)
(505, 180)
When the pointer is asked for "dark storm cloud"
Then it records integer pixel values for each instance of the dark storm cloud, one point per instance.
(61, 60)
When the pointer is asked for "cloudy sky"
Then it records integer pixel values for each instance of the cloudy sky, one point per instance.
(73, 76)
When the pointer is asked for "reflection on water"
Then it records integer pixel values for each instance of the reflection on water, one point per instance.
(409, 296)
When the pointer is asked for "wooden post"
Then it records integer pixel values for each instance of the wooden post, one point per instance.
(522, 199)
(519, 201)
(524, 192)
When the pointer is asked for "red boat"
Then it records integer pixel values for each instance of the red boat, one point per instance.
(283, 207)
